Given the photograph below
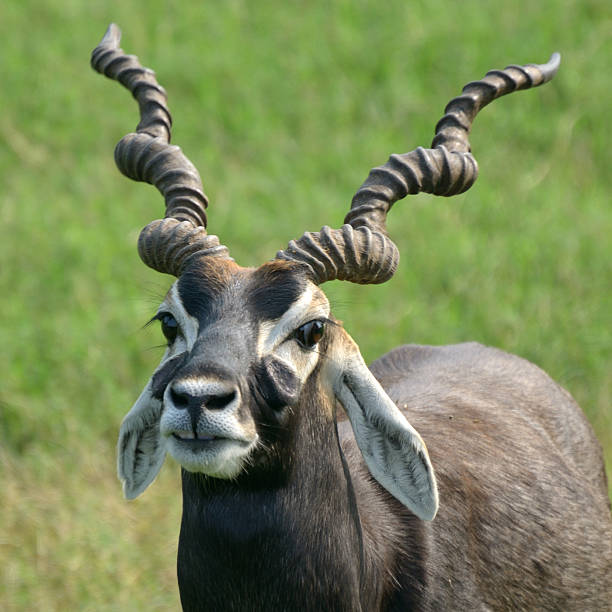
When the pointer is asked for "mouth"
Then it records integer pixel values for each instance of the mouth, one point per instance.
(190, 435)
(215, 455)
(195, 440)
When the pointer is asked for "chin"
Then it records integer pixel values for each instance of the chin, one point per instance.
(219, 458)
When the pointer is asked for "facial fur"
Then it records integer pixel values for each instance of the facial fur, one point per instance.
(226, 398)
(229, 380)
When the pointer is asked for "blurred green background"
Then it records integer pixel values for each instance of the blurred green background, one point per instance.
(284, 107)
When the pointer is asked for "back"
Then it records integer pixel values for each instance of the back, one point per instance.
(524, 519)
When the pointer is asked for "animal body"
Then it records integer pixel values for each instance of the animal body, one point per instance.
(289, 505)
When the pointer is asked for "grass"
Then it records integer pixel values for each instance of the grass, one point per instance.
(284, 107)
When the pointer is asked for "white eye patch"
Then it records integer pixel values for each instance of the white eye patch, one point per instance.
(312, 304)
(273, 335)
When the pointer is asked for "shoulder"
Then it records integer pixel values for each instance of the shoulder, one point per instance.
(403, 360)
(481, 396)
(469, 367)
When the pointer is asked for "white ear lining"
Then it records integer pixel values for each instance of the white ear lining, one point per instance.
(393, 450)
(140, 449)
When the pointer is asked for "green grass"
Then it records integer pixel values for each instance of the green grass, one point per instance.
(284, 107)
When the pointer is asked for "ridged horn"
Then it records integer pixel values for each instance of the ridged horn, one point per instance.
(148, 156)
(448, 168)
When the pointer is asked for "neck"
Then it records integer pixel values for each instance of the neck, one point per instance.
(295, 544)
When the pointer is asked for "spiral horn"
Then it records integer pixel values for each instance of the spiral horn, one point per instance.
(361, 251)
(148, 156)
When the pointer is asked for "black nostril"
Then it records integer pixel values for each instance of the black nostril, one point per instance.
(216, 402)
(184, 400)
(180, 400)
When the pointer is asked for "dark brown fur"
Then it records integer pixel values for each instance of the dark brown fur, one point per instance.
(524, 520)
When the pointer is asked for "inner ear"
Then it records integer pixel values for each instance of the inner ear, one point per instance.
(140, 448)
(392, 449)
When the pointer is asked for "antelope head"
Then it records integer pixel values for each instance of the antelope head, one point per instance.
(250, 349)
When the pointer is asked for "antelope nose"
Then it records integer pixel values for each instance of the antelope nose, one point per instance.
(198, 396)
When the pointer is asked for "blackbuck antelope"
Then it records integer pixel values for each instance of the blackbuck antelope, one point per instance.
(289, 506)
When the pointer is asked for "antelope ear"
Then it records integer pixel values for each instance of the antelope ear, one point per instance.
(140, 449)
(393, 450)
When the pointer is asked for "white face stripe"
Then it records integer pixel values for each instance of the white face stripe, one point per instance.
(312, 304)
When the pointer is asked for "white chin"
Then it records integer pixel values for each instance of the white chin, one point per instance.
(220, 458)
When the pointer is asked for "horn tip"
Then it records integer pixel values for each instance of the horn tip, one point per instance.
(551, 67)
(112, 36)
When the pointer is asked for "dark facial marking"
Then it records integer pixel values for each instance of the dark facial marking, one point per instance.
(201, 284)
(275, 286)
(165, 374)
(274, 384)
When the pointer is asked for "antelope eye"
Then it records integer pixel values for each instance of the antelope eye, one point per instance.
(310, 333)
(169, 326)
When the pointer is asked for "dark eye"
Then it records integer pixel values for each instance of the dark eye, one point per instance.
(169, 326)
(310, 333)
